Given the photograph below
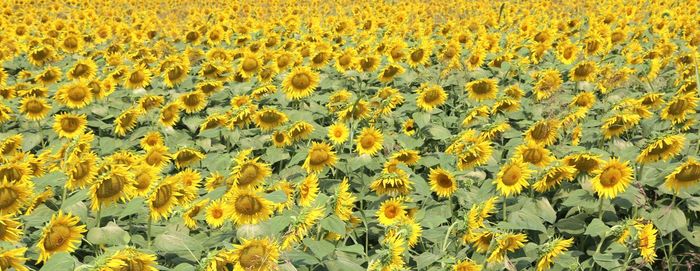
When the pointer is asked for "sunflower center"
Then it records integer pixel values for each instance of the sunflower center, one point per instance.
(283, 61)
(338, 133)
(417, 55)
(319, 58)
(301, 81)
(689, 173)
(511, 175)
(583, 70)
(41, 54)
(279, 137)
(540, 131)
(71, 42)
(270, 117)
(186, 156)
(247, 205)
(34, 106)
(444, 181)
(585, 164)
(345, 60)
(162, 196)
(136, 265)
(95, 87)
(81, 170)
(80, 70)
(248, 173)
(250, 64)
(110, 187)
(318, 157)
(192, 100)
(175, 73)
(154, 158)
(532, 156)
(366, 63)
(431, 95)
(69, 124)
(396, 53)
(56, 237)
(660, 148)
(137, 77)
(143, 180)
(568, 52)
(252, 257)
(367, 141)
(77, 93)
(677, 107)
(390, 71)
(48, 76)
(7, 197)
(610, 177)
(481, 88)
(391, 211)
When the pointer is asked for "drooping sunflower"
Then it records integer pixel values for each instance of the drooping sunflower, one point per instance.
(647, 241)
(308, 190)
(612, 178)
(138, 77)
(13, 258)
(187, 156)
(300, 83)
(49, 76)
(74, 95)
(466, 265)
(300, 130)
(678, 108)
(442, 182)
(584, 99)
(345, 201)
(81, 170)
(430, 96)
(250, 173)
(249, 207)
(534, 154)
(156, 156)
(512, 177)
(34, 108)
(169, 114)
(408, 157)
(506, 242)
(127, 120)
(470, 149)
(320, 156)
(163, 198)
(369, 141)
(619, 124)
(663, 148)
(61, 234)
(390, 72)
(584, 71)
(256, 254)
(132, 258)
(269, 118)
(144, 178)
(190, 214)
(149, 102)
(551, 251)
(543, 132)
(482, 89)
(553, 177)
(684, 175)
(391, 211)
(115, 185)
(548, 82)
(69, 125)
(10, 229)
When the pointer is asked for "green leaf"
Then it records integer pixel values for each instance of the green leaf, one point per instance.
(597, 228)
(320, 248)
(440, 133)
(334, 224)
(606, 261)
(343, 264)
(668, 219)
(60, 261)
(524, 220)
(111, 234)
(277, 196)
(572, 225)
(545, 210)
(426, 259)
(355, 249)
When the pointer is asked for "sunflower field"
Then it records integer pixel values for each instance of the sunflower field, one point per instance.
(217, 135)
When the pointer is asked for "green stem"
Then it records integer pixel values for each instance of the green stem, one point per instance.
(600, 208)
(627, 262)
(600, 244)
(98, 217)
(505, 212)
(148, 232)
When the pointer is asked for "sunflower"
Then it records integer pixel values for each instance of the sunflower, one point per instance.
(306, 219)
(369, 63)
(127, 120)
(551, 251)
(81, 170)
(662, 149)
(647, 241)
(175, 74)
(187, 156)
(130, 259)
(149, 102)
(34, 108)
(619, 124)
(548, 82)
(74, 95)
(320, 156)
(584, 99)
(612, 178)
(11, 144)
(308, 190)
(678, 108)
(84, 69)
(151, 139)
(157, 156)
(41, 55)
(420, 55)
(408, 157)
(512, 177)
(344, 201)
(10, 229)
(217, 212)
(144, 178)
(553, 177)
(138, 77)
(389, 72)
(163, 198)
(346, 60)
(482, 89)
(567, 52)
(248, 207)
(13, 258)
(442, 182)
(49, 76)
(584, 71)
(188, 216)
(430, 96)
(369, 141)
(280, 139)
(193, 101)
(408, 127)
(391, 211)
(534, 153)
(256, 254)
(300, 130)
(543, 132)
(61, 234)
(506, 242)
(684, 175)
(269, 118)
(466, 265)
(300, 83)
(115, 185)
(250, 173)
(169, 114)
(476, 58)
(338, 133)
(70, 125)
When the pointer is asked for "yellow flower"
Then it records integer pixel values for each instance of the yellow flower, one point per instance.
(300, 83)
(256, 254)
(442, 182)
(506, 242)
(612, 178)
(14, 195)
(391, 211)
(430, 97)
(482, 89)
(548, 82)
(390, 72)
(248, 207)
(345, 201)
(34, 108)
(320, 156)
(338, 133)
(369, 141)
(647, 241)
(268, 119)
(163, 198)
(534, 153)
(662, 149)
(74, 95)
(61, 234)
(115, 185)
(138, 77)
(512, 177)
(553, 177)
(308, 190)
(217, 212)
(13, 258)
(684, 175)
(300, 130)
(127, 120)
(10, 229)
(249, 173)
(408, 157)
(466, 265)
(187, 156)
(543, 132)
(193, 101)
(551, 251)
(83, 69)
